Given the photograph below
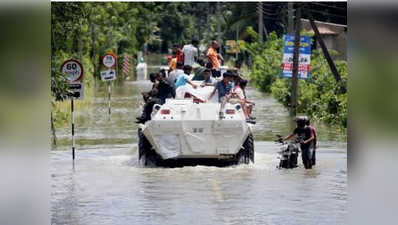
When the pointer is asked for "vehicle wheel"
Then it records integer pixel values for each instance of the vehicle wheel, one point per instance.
(146, 155)
(292, 163)
(246, 153)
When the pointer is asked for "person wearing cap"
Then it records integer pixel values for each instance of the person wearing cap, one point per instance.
(190, 53)
(179, 53)
(209, 80)
(183, 78)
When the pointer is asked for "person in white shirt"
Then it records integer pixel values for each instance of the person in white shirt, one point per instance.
(190, 52)
(174, 74)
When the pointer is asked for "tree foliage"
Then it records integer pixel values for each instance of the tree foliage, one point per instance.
(318, 97)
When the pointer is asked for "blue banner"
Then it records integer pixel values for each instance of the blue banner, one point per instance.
(304, 56)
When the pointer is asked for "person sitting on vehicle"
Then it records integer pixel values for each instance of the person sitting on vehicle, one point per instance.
(306, 138)
(195, 67)
(163, 91)
(235, 78)
(183, 78)
(239, 97)
(307, 123)
(150, 94)
(199, 72)
(163, 72)
(237, 67)
(179, 52)
(250, 104)
(209, 80)
(173, 61)
(224, 89)
(174, 74)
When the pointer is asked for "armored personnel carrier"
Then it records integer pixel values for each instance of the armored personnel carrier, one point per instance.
(187, 130)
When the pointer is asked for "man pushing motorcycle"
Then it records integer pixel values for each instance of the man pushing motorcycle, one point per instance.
(306, 137)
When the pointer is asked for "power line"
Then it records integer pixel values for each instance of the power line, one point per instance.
(327, 13)
(335, 7)
(270, 14)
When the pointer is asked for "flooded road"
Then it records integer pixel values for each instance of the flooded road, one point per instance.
(106, 186)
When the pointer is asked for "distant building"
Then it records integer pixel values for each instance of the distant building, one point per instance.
(334, 36)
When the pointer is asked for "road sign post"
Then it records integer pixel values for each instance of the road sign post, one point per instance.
(109, 62)
(75, 70)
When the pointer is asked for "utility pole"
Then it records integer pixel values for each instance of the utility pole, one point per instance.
(219, 26)
(80, 44)
(94, 53)
(199, 25)
(293, 102)
(290, 18)
(260, 21)
(195, 21)
(324, 49)
(237, 38)
(208, 24)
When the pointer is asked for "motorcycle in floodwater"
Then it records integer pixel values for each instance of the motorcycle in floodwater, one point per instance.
(289, 152)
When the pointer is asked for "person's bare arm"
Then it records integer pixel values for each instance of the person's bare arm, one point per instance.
(207, 84)
(190, 82)
(288, 136)
(309, 140)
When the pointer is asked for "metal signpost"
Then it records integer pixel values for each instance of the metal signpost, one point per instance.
(304, 56)
(74, 69)
(109, 61)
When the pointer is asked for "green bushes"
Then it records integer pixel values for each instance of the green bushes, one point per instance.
(319, 96)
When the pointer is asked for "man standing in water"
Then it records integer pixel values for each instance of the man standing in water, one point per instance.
(307, 123)
(190, 53)
(304, 133)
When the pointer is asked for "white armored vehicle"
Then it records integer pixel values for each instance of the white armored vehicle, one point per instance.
(187, 130)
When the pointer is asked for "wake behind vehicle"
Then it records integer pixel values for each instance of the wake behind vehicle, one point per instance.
(188, 131)
(289, 152)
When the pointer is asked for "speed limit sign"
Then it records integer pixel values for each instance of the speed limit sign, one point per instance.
(109, 61)
(74, 69)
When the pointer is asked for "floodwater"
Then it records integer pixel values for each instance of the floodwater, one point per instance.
(105, 185)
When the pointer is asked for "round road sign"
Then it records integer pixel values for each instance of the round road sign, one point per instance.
(109, 61)
(74, 69)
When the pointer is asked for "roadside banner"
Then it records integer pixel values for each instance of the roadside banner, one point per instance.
(231, 46)
(304, 56)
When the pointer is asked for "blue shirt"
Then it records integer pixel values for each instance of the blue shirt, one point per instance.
(181, 80)
(222, 89)
(211, 80)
